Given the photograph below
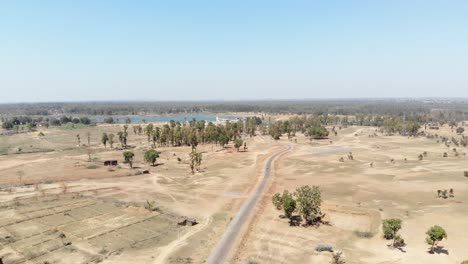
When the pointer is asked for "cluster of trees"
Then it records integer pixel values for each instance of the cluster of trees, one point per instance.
(314, 125)
(150, 156)
(311, 126)
(393, 125)
(391, 227)
(194, 133)
(305, 200)
(32, 123)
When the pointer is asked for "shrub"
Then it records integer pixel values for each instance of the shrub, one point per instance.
(41, 134)
(321, 248)
(363, 234)
(277, 201)
(92, 167)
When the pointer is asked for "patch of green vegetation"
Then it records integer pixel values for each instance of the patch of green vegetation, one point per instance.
(363, 234)
(92, 167)
(3, 151)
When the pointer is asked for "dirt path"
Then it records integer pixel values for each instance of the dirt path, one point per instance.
(162, 190)
(166, 251)
(219, 254)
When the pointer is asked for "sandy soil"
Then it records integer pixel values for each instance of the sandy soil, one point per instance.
(51, 176)
(212, 196)
(357, 197)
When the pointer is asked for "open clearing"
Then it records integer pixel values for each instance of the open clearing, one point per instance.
(357, 197)
(55, 206)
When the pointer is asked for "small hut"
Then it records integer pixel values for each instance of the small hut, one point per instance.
(110, 163)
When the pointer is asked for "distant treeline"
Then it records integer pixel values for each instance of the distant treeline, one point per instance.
(33, 122)
(448, 109)
(338, 107)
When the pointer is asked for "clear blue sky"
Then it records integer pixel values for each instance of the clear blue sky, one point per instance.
(68, 50)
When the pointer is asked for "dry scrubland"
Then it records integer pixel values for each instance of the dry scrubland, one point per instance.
(357, 197)
(57, 207)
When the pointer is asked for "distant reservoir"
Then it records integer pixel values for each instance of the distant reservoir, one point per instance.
(163, 119)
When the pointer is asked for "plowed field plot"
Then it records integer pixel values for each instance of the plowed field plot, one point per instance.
(74, 229)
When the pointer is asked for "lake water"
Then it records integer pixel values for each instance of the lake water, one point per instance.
(155, 119)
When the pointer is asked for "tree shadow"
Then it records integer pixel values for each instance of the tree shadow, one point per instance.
(439, 250)
(157, 164)
(295, 220)
(401, 249)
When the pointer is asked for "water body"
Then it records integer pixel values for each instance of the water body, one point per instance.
(156, 119)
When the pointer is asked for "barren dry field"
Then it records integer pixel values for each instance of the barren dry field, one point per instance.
(357, 197)
(57, 207)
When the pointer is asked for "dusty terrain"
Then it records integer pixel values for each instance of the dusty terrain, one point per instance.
(58, 207)
(51, 196)
(357, 197)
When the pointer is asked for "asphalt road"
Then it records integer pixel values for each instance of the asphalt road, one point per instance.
(219, 254)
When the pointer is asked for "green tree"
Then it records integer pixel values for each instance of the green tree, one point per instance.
(111, 140)
(309, 201)
(277, 201)
(238, 143)
(195, 160)
(223, 139)
(289, 204)
(434, 235)
(128, 156)
(151, 156)
(318, 132)
(104, 139)
(390, 228)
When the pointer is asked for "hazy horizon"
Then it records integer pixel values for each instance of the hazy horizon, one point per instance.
(56, 51)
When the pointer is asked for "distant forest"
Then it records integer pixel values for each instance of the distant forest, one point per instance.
(456, 109)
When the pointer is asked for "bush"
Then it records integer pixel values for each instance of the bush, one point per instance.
(92, 167)
(41, 134)
(363, 234)
(321, 248)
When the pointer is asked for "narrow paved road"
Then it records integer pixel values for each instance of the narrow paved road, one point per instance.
(219, 254)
